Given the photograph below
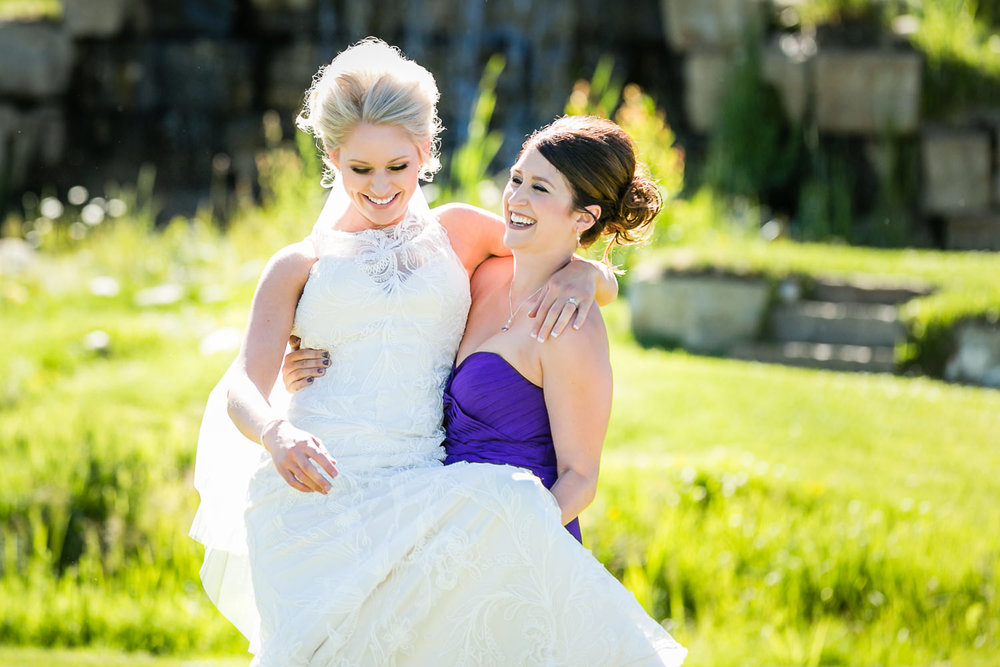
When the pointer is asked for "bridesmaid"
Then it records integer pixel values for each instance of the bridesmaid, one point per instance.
(509, 400)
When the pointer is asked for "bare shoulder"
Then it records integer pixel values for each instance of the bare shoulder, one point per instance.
(578, 349)
(474, 233)
(460, 217)
(290, 265)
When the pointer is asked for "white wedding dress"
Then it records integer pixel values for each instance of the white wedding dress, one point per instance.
(405, 561)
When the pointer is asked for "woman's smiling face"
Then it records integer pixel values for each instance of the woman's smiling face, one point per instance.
(538, 205)
(379, 166)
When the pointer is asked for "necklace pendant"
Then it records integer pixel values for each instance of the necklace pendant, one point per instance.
(505, 327)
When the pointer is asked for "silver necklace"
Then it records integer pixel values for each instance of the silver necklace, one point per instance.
(510, 306)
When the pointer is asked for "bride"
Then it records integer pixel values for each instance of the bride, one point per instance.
(393, 558)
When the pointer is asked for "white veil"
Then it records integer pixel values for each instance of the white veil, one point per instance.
(339, 201)
(226, 460)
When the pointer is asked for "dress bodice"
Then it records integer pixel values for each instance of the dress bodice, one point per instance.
(493, 414)
(390, 307)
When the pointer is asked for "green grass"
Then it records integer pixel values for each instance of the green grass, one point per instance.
(956, 37)
(962, 51)
(20, 10)
(769, 515)
(790, 516)
(719, 477)
(40, 657)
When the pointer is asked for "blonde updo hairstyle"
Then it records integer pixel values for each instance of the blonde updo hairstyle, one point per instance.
(372, 82)
(597, 159)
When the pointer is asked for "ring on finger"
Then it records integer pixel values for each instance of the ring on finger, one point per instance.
(572, 301)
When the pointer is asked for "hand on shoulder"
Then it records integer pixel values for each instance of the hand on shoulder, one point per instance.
(578, 351)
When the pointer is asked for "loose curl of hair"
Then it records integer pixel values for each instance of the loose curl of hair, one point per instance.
(373, 82)
(597, 159)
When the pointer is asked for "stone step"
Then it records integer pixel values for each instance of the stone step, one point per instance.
(834, 323)
(859, 290)
(855, 358)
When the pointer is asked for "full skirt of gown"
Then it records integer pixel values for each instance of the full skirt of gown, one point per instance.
(465, 564)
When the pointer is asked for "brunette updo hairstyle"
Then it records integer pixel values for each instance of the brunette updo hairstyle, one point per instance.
(597, 159)
(372, 82)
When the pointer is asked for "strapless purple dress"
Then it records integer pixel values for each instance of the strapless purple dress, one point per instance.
(492, 414)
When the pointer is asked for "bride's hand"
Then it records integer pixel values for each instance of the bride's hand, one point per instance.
(570, 291)
(293, 450)
(302, 366)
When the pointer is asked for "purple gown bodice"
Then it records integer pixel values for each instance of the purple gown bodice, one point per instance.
(492, 414)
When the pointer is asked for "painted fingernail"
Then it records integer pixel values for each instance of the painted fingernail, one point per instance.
(326, 362)
(326, 355)
(309, 379)
(321, 371)
(555, 334)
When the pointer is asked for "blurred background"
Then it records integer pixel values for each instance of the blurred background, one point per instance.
(874, 122)
(801, 464)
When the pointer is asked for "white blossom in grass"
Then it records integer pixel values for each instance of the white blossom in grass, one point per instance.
(116, 208)
(51, 208)
(212, 294)
(77, 195)
(97, 341)
(92, 214)
(161, 295)
(104, 286)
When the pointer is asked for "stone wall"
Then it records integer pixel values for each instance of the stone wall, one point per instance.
(851, 93)
(180, 83)
(184, 84)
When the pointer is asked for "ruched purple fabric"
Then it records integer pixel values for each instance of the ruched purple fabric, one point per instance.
(492, 414)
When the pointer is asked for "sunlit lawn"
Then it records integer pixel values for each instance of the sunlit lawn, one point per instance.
(854, 446)
(806, 517)
(22, 10)
(769, 515)
(40, 657)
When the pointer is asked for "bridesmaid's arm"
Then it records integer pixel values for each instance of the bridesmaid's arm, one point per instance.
(256, 368)
(576, 380)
